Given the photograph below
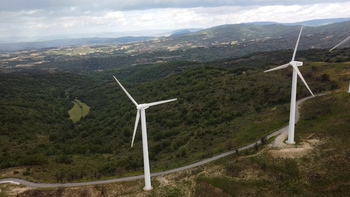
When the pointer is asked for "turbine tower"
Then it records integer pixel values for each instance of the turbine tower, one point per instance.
(294, 64)
(342, 42)
(141, 110)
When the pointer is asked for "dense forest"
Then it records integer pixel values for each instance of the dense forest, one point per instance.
(221, 105)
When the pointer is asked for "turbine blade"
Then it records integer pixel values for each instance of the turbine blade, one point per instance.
(159, 102)
(126, 92)
(135, 127)
(277, 68)
(296, 46)
(342, 42)
(302, 78)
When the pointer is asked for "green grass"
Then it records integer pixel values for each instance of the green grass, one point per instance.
(78, 111)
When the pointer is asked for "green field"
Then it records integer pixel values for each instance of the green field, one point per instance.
(78, 111)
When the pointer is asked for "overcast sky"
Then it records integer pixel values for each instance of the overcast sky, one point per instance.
(33, 18)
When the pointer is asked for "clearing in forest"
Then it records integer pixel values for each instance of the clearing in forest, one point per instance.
(78, 111)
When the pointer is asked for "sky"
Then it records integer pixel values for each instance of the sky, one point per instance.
(50, 18)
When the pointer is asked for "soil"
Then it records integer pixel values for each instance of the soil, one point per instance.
(279, 149)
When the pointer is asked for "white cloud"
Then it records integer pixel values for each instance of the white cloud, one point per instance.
(93, 5)
(147, 17)
(91, 18)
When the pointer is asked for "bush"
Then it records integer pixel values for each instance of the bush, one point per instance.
(64, 159)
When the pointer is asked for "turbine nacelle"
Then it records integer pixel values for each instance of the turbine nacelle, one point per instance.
(296, 63)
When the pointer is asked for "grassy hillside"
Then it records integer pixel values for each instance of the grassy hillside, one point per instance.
(221, 106)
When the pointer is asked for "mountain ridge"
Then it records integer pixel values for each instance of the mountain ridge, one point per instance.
(180, 34)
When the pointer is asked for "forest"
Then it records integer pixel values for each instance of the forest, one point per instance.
(221, 105)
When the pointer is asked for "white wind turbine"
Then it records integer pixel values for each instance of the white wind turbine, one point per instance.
(342, 42)
(141, 109)
(294, 64)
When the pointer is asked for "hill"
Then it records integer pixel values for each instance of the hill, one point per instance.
(263, 171)
(221, 105)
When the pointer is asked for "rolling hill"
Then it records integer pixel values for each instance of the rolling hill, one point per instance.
(221, 105)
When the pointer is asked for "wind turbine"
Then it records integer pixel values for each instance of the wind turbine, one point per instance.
(342, 42)
(294, 64)
(141, 109)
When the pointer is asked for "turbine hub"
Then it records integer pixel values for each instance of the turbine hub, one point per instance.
(142, 106)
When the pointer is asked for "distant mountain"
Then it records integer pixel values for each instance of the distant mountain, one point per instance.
(319, 22)
(181, 32)
(312, 23)
(245, 37)
(184, 31)
(70, 42)
(274, 36)
(261, 23)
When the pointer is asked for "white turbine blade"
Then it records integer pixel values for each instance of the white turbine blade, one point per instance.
(277, 68)
(296, 46)
(342, 42)
(126, 92)
(135, 127)
(302, 78)
(159, 102)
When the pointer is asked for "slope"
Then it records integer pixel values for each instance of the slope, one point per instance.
(321, 172)
(221, 106)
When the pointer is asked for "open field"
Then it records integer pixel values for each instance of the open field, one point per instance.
(78, 111)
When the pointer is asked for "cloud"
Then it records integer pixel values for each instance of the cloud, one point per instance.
(18, 5)
(42, 17)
